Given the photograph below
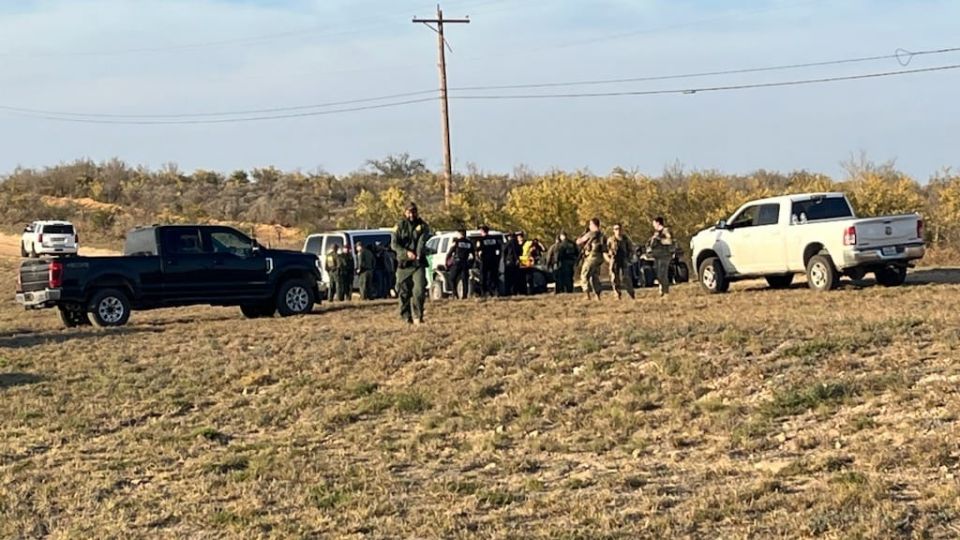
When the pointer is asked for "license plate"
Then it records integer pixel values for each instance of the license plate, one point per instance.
(889, 251)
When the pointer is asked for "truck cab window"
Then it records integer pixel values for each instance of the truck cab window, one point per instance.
(769, 214)
(231, 242)
(746, 218)
(183, 241)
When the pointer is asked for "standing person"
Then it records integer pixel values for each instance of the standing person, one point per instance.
(488, 255)
(562, 258)
(345, 271)
(620, 256)
(511, 265)
(461, 260)
(593, 243)
(380, 289)
(409, 242)
(366, 263)
(661, 243)
(333, 273)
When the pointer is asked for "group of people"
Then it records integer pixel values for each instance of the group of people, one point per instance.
(373, 269)
(591, 250)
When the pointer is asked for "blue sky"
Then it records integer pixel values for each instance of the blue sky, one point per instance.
(201, 56)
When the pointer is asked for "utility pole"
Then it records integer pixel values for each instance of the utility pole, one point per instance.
(444, 107)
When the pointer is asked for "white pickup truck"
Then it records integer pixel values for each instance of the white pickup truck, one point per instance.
(813, 233)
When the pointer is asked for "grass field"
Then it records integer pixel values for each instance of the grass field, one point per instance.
(753, 414)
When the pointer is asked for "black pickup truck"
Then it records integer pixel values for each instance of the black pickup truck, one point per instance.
(168, 266)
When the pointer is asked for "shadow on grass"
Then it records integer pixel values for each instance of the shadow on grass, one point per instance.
(938, 276)
(25, 341)
(9, 380)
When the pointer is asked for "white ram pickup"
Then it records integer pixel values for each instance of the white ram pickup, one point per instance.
(813, 233)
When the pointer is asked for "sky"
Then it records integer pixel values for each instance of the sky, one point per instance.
(197, 59)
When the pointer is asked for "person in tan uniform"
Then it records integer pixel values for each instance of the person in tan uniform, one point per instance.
(620, 252)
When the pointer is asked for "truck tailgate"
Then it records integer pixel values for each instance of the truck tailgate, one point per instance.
(34, 275)
(887, 230)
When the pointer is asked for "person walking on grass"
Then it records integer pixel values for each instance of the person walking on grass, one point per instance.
(593, 244)
(661, 245)
(619, 255)
(409, 242)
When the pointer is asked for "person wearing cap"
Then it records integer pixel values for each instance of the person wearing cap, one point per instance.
(593, 245)
(511, 265)
(410, 244)
(345, 272)
(562, 259)
(488, 255)
(460, 261)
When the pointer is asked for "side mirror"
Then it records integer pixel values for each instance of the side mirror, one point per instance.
(255, 249)
(721, 225)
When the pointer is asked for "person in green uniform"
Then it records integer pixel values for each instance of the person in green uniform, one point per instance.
(593, 244)
(562, 258)
(330, 265)
(345, 266)
(620, 256)
(409, 242)
(661, 244)
(366, 263)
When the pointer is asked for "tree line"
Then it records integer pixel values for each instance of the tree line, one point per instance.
(105, 199)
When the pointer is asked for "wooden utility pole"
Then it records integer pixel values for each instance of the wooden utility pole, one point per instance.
(444, 107)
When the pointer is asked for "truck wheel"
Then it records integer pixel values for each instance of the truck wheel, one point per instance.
(780, 282)
(295, 298)
(436, 290)
(822, 275)
(682, 273)
(258, 311)
(109, 307)
(713, 278)
(23, 251)
(538, 283)
(33, 251)
(647, 276)
(73, 316)
(891, 276)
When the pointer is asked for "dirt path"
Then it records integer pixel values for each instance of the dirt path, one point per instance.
(10, 248)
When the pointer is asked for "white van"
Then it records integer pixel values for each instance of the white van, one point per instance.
(320, 244)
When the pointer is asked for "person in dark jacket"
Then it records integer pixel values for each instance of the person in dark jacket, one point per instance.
(562, 259)
(488, 256)
(511, 265)
(365, 266)
(345, 271)
(461, 260)
(410, 244)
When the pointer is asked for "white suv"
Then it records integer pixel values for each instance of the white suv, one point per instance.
(49, 238)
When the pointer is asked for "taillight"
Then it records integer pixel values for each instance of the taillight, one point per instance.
(40, 238)
(920, 229)
(850, 236)
(56, 275)
(76, 238)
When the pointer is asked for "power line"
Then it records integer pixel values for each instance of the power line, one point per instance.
(711, 88)
(220, 113)
(222, 120)
(903, 56)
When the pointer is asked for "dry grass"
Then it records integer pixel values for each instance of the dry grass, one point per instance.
(753, 414)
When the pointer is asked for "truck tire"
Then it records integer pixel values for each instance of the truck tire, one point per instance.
(23, 251)
(780, 282)
(822, 275)
(891, 276)
(713, 278)
(109, 308)
(295, 297)
(647, 276)
(73, 316)
(538, 282)
(681, 273)
(258, 311)
(33, 251)
(436, 289)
